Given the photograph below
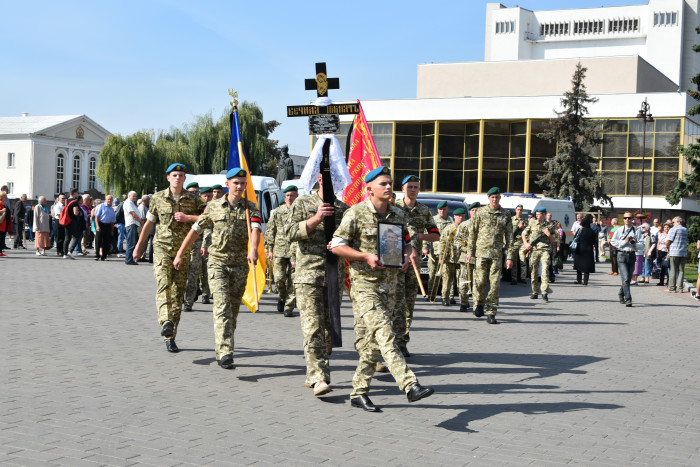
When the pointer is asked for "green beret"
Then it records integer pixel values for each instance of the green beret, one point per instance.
(290, 188)
(442, 204)
(192, 185)
(205, 189)
(475, 204)
(494, 191)
(459, 212)
(217, 187)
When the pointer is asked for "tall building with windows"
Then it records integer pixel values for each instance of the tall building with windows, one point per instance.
(46, 155)
(475, 125)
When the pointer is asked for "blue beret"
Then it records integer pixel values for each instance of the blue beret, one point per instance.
(518, 206)
(290, 188)
(205, 189)
(376, 173)
(459, 211)
(494, 191)
(176, 167)
(475, 204)
(191, 185)
(234, 172)
(541, 209)
(442, 204)
(410, 178)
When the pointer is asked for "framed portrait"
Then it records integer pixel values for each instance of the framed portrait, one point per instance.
(390, 248)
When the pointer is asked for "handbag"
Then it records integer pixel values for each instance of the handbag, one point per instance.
(558, 263)
(574, 242)
(2, 215)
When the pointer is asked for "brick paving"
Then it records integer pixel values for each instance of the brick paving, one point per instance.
(85, 380)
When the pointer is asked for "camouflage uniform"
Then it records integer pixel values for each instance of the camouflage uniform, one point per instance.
(371, 295)
(420, 219)
(538, 255)
(310, 284)
(434, 255)
(518, 255)
(228, 263)
(276, 242)
(450, 259)
(490, 232)
(169, 235)
(193, 272)
(464, 276)
(204, 272)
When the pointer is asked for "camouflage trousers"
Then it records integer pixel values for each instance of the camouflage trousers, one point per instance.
(315, 327)
(519, 264)
(204, 278)
(539, 257)
(487, 269)
(405, 302)
(283, 273)
(193, 274)
(449, 271)
(464, 282)
(170, 289)
(374, 338)
(228, 283)
(433, 277)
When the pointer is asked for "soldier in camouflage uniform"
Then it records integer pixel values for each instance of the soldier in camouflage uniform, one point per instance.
(420, 219)
(206, 243)
(539, 252)
(449, 257)
(195, 262)
(305, 228)
(278, 250)
(229, 256)
(519, 265)
(490, 233)
(441, 220)
(172, 211)
(372, 283)
(464, 275)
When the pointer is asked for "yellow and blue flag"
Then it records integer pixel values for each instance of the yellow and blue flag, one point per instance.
(237, 159)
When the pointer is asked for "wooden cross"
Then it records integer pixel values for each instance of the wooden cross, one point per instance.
(322, 83)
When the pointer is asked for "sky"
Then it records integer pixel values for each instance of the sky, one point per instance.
(153, 65)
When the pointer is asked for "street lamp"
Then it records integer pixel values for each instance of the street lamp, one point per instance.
(646, 117)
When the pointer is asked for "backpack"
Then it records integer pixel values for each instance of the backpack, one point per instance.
(64, 219)
(120, 214)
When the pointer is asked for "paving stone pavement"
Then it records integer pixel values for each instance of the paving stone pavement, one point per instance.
(85, 380)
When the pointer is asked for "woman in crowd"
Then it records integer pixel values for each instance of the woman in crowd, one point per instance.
(639, 256)
(584, 261)
(42, 227)
(6, 222)
(662, 252)
(86, 239)
(649, 253)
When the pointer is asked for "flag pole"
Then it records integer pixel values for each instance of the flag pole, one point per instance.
(420, 283)
(247, 219)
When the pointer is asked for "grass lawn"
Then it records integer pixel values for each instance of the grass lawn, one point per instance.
(691, 273)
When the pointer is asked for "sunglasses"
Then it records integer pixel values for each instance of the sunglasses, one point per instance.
(628, 217)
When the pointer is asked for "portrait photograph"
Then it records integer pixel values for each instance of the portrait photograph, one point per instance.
(391, 244)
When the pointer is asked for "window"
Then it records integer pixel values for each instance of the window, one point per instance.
(10, 188)
(554, 29)
(505, 27)
(623, 25)
(60, 165)
(10, 159)
(666, 18)
(75, 183)
(589, 27)
(91, 173)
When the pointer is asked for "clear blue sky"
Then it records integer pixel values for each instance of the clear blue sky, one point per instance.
(149, 64)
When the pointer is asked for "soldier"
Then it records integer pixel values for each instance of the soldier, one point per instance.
(554, 247)
(305, 227)
(442, 220)
(420, 219)
(537, 238)
(372, 289)
(278, 251)
(490, 233)
(195, 263)
(229, 256)
(217, 191)
(519, 271)
(209, 194)
(173, 210)
(449, 257)
(464, 276)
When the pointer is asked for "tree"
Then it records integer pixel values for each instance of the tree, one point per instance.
(260, 149)
(572, 172)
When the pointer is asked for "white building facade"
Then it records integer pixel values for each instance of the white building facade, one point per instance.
(47, 155)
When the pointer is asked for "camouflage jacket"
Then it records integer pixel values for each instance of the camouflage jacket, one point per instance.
(359, 230)
(441, 224)
(448, 247)
(490, 232)
(420, 218)
(517, 238)
(311, 248)
(275, 234)
(535, 228)
(229, 236)
(460, 241)
(169, 232)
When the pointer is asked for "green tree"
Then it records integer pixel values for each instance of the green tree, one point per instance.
(262, 151)
(572, 172)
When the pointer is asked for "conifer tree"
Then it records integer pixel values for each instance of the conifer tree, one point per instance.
(572, 172)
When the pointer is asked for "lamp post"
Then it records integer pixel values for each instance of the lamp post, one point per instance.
(646, 117)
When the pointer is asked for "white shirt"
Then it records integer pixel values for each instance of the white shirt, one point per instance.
(56, 210)
(129, 207)
(576, 227)
(620, 236)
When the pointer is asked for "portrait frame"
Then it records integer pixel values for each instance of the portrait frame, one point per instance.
(390, 253)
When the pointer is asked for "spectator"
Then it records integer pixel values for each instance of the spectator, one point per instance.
(584, 257)
(132, 222)
(30, 223)
(19, 211)
(639, 255)
(5, 222)
(105, 218)
(8, 206)
(649, 253)
(59, 231)
(87, 231)
(697, 283)
(73, 229)
(602, 238)
(121, 226)
(596, 230)
(677, 243)
(656, 228)
(662, 253)
(41, 222)
(576, 225)
(613, 250)
(625, 240)
(143, 212)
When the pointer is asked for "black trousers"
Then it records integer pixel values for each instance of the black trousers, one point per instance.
(72, 237)
(20, 234)
(103, 239)
(60, 237)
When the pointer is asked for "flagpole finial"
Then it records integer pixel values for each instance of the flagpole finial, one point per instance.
(234, 95)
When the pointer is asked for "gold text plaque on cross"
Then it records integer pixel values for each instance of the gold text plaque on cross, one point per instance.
(308, 110)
